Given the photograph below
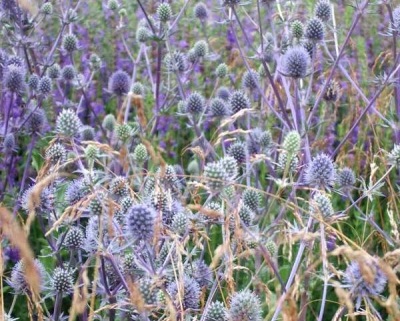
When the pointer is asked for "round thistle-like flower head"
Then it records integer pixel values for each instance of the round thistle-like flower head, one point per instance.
(245, 306)
(252, 199)
(94, 62)
(238, 151)
(201, 272)
(113, 5)
(292, 142)
(322, 204)
(175, 62)
(246, 215)
(56, 154)
(140, 222)
(164, 12)
(36, 122)
(309, 46)
(216, 312)
(295, 62)
(62, 280)
(271, 247)
(87, 133)
(200, 11)
(140, 153)
(119, 187)
(315, 30)
(18, 276)
(180, 223)
(109, 122)
(321, 172)
(74, 238)
(54, 71)
(124, 132)
(223, 93)
(288, 162)
(394, 156)
(138, 89)
(68, 123)
(215, 175)
(96, 204)
(250, 79)
(297, 29)
(119, 83)
(229, 163)
(68, 73)
(142, 34)
(222, 70)
(323, 10)
(14, 79)
(195, 103)
(266, 140)
(91, 152)
(346, 178)
(192, 56)
(47, 8)
(365, 278)
(218, 108)
(148, 291)
(70, 43)
(201, 48)
(33, 82)
(76, 191)
(238, 101)
(15, 61)
(9, 143)
(45, 86)
(189, 298)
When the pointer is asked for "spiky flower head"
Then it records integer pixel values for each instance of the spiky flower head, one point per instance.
(33, 81)
(113, 5)
(323, 10)
(215, 175)
(309, 46)
(332, 91)
(45, 86)
(223, 93)
(87, 133)
(297, 29)
(238, 151)
(195, 103)
(192, 56)
(54, 71)
(222, 70)
(138, 89)
(394, 156)
(271, 247)
(164, 12)
(142, 34)
(320, 172)
(91, 152)
(94, 62)
(119, 83)
(292, 142)
(238, 101)
(140, 153)
(186, 295)
(180, 223)
(36, 122)
(246, 215)
(288, 162)
(365, 278)
(62, 280)
(109, 122)
(201, 272)
(252, 199)
(68, 73)
(74, 238)
(14, 79)
(322, 205)
(216, 312)
(315, 30)
(18, 280)
(229, 163)
(201, 48)
(47, 8)
(245, 306)
(68, 123)
(250, 79)
(175, 61)
(124, 132)
(266, 140)
(140, 222)
(70, 43)
(295, 62)
(346, 178)
(76, 191)
(96, 204)
(200, 11)
(43, 204)
(218, 108)
(148, 291)
(16, 61)
(56, 153)
(119, 186)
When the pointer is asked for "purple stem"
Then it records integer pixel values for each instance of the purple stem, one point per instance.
(8, 113)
